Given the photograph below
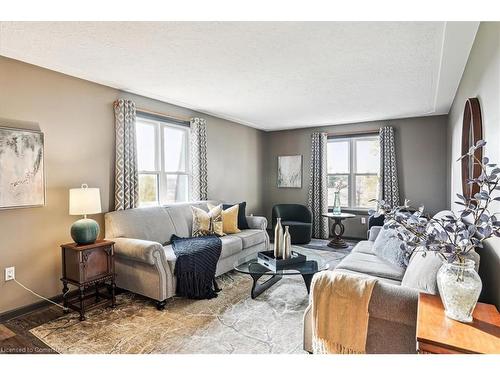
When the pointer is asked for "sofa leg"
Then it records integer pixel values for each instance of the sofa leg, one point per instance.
(160, 305)
(216, 286)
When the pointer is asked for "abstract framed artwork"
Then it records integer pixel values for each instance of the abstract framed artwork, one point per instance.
(22, 177)
(290, 171)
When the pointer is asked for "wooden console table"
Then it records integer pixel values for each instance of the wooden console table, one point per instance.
(87, 266)
(438, 334)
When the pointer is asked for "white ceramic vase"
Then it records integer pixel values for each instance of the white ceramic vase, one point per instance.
(459, 287)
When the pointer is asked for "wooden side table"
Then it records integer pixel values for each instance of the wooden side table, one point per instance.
(88, 266)
(438, 334)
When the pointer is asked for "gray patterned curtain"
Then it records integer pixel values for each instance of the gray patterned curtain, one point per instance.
(388, 167)
(318, 191)
(199, 190)
(126, 173)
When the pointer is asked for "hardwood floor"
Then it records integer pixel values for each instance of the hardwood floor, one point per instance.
(15, 337)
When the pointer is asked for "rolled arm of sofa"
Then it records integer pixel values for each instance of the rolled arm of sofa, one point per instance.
(257, 222)
(138, 250)
(394, 303)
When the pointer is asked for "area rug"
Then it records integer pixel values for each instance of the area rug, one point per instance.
(230, 323)
(319, 244)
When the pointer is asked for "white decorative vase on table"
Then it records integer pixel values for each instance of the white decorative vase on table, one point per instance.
(459, 287)
(278, 239)
(287, 244)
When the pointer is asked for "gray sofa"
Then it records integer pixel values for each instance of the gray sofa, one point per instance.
(144, 259)
(393, 305)
(392, 309)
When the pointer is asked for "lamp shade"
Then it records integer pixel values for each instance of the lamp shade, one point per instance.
(84, 201)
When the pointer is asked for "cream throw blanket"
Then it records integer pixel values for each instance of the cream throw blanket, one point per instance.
(340, 312)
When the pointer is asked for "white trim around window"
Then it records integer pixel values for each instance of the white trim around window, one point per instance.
(351, 174)
(159, 168)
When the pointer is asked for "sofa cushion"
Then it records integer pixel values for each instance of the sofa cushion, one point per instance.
(381, 279)
(207, 223)
(147, 223)
(230, 245)
(371, 265)
(182, 216)
(251, 237)
(422, 270)
(229, 219)
(242, 218)
(365, 247)
(388, 247)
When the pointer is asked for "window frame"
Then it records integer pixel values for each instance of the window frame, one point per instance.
(159, 163)
(352, 174)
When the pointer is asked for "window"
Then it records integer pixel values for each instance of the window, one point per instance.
(354, 162)
(163, 162)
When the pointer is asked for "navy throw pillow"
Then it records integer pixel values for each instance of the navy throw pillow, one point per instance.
(242, 217)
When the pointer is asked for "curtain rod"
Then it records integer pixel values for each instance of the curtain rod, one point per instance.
(346, 134)
(143, 110)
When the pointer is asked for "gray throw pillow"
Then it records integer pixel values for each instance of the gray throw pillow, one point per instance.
(422, 270)
(387, 246)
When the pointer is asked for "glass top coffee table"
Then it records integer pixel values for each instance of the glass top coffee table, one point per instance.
(249, 265)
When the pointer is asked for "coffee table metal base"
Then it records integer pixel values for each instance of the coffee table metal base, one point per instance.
(258, 289)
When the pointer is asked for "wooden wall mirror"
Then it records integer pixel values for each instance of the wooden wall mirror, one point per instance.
(472, 131)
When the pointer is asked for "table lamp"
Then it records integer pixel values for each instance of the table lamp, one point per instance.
(84, 201)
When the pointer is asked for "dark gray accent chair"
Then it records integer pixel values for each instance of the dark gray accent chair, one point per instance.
(298, 217)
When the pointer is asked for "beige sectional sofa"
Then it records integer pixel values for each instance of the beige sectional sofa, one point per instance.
(144, 259)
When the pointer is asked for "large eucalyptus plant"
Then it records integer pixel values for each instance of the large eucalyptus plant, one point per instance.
(453, 236)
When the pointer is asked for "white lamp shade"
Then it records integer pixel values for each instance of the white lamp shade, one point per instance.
(84, 201)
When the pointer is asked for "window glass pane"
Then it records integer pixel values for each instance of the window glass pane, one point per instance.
(338, 156)
(367, 156)
(177, 188)
(148, 190)
(146, 146)
(366, 189)
(174, 149)
(344, 193)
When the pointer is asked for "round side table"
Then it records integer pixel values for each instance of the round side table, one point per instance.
(338, 229)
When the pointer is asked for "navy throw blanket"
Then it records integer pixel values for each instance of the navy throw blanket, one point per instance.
(195, 266)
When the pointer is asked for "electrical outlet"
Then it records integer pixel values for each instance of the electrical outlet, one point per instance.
(10, 273)
(363, 220)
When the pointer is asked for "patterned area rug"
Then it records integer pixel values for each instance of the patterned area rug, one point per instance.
(230, 323)
(318, 244)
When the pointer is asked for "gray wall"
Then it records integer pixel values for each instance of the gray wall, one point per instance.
(77, 119)
(420, 146)
(481, 79)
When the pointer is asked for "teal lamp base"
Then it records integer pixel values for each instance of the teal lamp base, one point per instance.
(84, 231)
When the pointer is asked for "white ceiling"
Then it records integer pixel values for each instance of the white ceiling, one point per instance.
(269, 75)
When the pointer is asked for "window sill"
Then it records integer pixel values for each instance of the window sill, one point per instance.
(355, 211)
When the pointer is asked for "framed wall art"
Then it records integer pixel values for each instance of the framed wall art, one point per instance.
(22, 177)
(290, 171)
